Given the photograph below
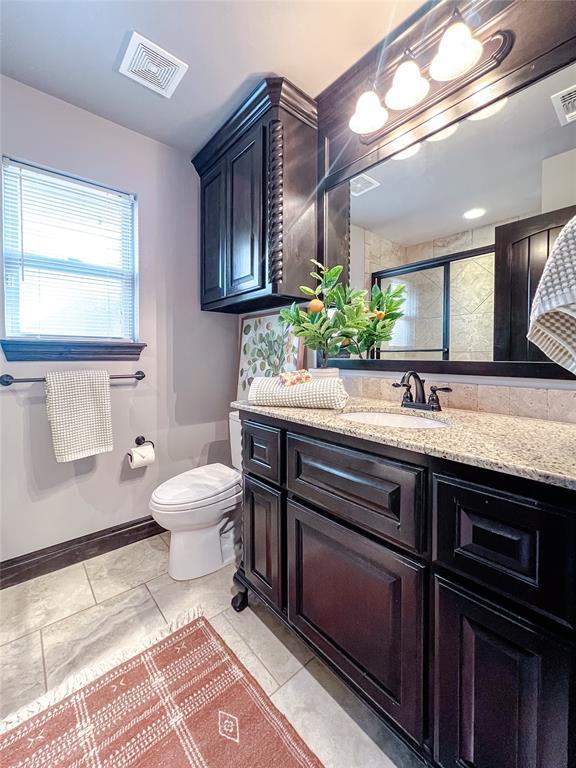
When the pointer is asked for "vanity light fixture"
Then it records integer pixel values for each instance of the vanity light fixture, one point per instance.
(493, 109)
(474, 213)
(406, 153)
(458, 51)
(369, 116)
(408, 86)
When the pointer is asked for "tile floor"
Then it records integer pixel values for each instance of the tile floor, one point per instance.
(56, 625)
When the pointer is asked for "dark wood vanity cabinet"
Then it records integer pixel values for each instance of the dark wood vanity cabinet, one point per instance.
(443, 594)
(262, 539)
(258, 185)
(503, 687)
(339, 583)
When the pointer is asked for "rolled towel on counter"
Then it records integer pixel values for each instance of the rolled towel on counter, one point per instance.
(318, 393)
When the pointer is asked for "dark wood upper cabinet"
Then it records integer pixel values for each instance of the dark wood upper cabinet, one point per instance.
(213, 192)
(258, 186)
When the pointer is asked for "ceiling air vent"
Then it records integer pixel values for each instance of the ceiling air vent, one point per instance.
(565, 105)
(359, 185)
(152, 66)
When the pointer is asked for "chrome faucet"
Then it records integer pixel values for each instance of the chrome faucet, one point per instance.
(418, 400)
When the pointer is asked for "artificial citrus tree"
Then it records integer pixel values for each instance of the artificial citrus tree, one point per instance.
(338, 317)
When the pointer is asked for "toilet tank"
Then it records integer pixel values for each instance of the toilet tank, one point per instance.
(235, 439)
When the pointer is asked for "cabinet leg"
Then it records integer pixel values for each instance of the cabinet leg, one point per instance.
(240, 600)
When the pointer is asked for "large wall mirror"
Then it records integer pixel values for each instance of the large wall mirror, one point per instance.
(465, 220)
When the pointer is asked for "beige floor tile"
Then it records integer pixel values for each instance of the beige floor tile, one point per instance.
(21, 673)
(127, 567)
(209, 595)
(99, 633)
(42, 601)
(243, 652)
(383, 736)
(334, 736)
(166, 538)
(277, 647)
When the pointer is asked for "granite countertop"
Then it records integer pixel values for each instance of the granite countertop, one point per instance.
(532, 448)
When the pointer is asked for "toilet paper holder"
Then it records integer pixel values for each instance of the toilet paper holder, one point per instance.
(141, 440)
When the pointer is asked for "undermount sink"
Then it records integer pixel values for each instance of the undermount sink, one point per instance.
(393, 420)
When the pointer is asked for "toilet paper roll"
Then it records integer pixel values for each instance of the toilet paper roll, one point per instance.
(141, 456)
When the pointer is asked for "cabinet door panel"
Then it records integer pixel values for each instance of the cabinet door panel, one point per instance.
(262, 539)
(519, 546)
(261, 451)
(380, 495)
(362, 606)
(213, 234)
(245, 262)
(502, 688)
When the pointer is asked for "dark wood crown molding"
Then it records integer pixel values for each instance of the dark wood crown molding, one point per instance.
(30, 350)
(272, 92)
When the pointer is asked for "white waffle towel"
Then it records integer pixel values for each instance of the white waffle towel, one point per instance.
(78, 406)
(553, 316)
(318, 393)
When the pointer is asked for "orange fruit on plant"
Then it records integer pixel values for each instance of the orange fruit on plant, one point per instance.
(345, 342)
(315, 306)
(380, 315)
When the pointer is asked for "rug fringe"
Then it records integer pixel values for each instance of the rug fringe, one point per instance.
(91, 673)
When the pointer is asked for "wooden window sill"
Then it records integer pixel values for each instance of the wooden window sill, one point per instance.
(39, 349)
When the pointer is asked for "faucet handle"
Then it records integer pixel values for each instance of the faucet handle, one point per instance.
(407, 398)
(433, 399)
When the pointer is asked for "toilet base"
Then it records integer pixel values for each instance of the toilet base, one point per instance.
(195, 553)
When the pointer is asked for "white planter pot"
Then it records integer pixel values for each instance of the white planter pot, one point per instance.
(324, 373)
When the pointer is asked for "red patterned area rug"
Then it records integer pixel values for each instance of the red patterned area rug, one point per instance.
(185, 701)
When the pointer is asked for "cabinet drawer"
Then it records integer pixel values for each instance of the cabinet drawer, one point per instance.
(263, 539)
(502, 688)
(261, 452)
(380, 495)
(516, 545)
(361, 605)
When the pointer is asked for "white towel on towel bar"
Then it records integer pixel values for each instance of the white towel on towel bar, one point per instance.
(78, 406)
(553, 315)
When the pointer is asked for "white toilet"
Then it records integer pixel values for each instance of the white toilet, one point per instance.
(195, 507)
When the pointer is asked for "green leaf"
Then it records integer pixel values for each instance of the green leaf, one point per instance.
(307, 291)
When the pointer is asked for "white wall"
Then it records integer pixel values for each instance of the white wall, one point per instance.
(191, 358)
(559, 181)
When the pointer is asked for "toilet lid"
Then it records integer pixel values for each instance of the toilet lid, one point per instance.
(198, 485)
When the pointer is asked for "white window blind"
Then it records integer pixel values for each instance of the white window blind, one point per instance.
(69, 257)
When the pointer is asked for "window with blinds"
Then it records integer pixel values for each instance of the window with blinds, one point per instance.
(69, 257)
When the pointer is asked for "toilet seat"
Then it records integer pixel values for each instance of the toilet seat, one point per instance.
(218, 499)
(197, 488)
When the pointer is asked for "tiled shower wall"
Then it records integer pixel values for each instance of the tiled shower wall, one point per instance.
(554, 404)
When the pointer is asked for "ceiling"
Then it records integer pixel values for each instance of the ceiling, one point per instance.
(72, 50)
(495, 164)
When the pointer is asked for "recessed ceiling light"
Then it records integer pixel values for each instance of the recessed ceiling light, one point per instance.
(474, 213)
(441, 135)
(406, 153)
(489, 111)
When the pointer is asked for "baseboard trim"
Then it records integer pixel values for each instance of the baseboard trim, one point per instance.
(44, 561)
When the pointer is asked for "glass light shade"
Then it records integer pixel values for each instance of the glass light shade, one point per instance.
(408, 87)
(406, 153)
(457, 53)
(490, 110)
(446, 133)
(369, 116)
